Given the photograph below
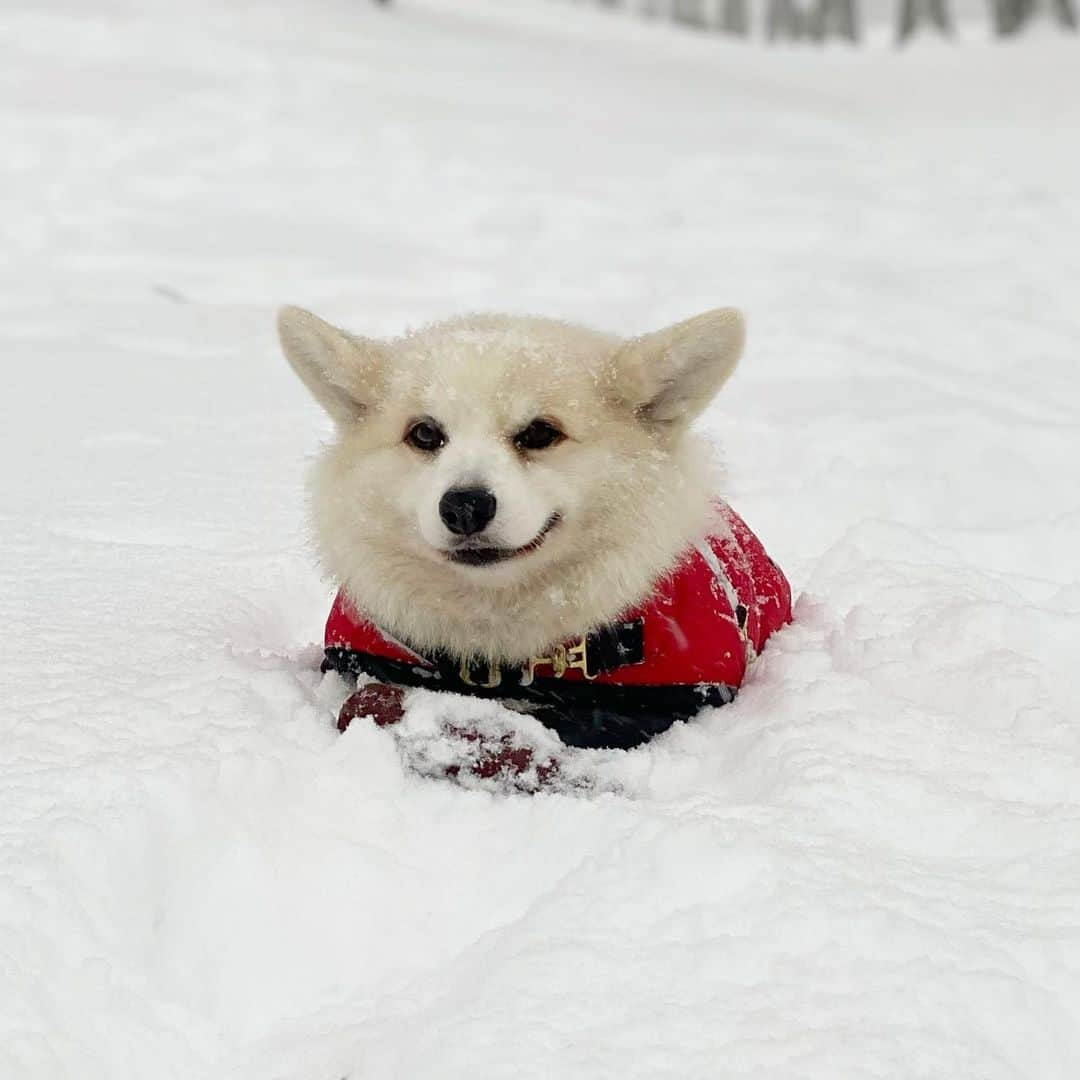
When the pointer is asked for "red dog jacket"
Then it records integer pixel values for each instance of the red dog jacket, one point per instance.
(687, 645)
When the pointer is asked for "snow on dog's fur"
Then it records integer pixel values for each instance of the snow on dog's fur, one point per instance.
(574, 443)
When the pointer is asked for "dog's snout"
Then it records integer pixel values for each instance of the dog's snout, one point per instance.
(466, 511)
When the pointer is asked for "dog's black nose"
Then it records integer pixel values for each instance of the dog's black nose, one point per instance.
(465, 511)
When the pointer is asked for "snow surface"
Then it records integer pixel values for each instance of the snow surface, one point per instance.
(869, 866)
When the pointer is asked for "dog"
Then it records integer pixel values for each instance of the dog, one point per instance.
(496, 484)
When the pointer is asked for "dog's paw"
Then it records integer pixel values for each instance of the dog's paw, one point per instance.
(480, 745)
(475, 744)
(378, 702)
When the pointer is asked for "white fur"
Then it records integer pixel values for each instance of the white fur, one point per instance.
(632, 486)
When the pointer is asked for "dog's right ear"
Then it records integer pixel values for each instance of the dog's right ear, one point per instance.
(343, 372)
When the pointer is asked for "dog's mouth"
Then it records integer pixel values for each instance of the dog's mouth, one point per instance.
(488, 556)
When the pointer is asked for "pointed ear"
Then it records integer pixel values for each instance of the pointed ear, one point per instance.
(668, 377)
(344, 373)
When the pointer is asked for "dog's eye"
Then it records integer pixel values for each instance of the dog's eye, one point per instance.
(539, 435)
(425, 435)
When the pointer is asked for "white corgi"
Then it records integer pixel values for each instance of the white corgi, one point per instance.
(499, 484)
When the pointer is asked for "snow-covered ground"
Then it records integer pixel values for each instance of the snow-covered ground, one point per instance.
(869, 866)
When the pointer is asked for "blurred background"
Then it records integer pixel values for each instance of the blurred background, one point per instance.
(820, 20)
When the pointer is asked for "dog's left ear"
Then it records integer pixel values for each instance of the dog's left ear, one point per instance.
(668, 377)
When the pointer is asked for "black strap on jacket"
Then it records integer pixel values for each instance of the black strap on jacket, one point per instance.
(581, 712)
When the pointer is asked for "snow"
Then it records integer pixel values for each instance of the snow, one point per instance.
(868, 866)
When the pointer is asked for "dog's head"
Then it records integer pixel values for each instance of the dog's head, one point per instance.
(480, 454)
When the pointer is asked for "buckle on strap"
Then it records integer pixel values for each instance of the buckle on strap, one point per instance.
(561, 660)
